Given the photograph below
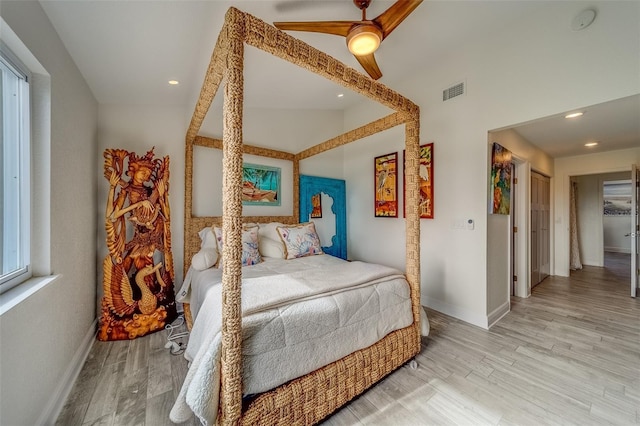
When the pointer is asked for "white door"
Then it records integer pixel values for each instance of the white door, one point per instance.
(635, 228)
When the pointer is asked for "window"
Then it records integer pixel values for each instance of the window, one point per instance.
(14, 168)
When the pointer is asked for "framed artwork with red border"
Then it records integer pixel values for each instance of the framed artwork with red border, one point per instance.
(386, 185)
(425, 205)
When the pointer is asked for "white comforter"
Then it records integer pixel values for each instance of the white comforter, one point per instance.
(262, 295)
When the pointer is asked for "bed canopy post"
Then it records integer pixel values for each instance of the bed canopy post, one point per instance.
(412, 188)
(231, 392)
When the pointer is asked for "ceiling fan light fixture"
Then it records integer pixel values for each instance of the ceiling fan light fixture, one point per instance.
(364, 39)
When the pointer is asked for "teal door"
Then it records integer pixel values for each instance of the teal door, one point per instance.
(334, 188)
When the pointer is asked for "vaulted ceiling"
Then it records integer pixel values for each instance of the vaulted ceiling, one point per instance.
(128, 50)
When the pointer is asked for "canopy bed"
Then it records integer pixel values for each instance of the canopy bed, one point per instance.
(315, 395)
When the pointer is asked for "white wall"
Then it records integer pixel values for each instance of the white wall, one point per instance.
(518, 72)
(45, 337)
(498, 226)
(607, 162)
(614, 230)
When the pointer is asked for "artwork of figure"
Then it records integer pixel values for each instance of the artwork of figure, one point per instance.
(138, 271)
(500, 180)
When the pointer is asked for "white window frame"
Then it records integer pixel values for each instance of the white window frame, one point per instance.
(22, 274)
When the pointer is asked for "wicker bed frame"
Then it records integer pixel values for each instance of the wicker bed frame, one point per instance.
(310, 398)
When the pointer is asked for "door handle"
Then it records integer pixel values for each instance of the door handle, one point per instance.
(633, 234)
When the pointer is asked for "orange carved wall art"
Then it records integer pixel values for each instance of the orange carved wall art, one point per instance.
(138, 271)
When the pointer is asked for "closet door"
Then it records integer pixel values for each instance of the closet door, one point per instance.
(635, 229)
(540, 227)
(535, 263)
(545, 236)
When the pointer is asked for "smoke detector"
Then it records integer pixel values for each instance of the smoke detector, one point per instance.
(583, 19)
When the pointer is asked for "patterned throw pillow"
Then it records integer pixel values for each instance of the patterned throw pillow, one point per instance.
(300, 240)
(250, 253)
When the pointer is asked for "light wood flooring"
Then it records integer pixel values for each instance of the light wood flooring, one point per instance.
(569, 354)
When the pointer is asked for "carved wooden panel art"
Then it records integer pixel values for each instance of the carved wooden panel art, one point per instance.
(138, 271)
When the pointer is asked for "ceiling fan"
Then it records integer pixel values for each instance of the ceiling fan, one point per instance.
(363, 37)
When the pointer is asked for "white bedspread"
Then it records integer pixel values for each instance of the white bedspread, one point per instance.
(327, 289)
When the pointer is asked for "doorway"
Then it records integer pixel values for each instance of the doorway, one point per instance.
(607, 216)
(616, 223)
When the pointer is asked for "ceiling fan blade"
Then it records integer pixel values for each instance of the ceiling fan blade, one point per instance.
(369, 64)
(340, 28)
(392, 17)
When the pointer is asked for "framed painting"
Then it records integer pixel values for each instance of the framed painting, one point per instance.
(386, 185)
(425, 206)
(616, 196)
(260, 185)
(316, 204)
(500, 180)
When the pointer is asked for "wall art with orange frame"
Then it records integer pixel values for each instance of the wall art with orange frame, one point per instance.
(386, 185)
(426, 181)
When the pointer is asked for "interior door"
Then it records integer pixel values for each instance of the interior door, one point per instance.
(635, 228)
(540, 228)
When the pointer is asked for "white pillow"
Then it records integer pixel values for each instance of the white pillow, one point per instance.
(270, 243)
(300, 240)
(207, 238)
(271, 248)
(208, 254)
(269, 230)
(204, 259)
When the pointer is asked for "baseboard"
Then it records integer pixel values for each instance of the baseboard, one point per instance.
(59, 396)
(618, 250)
(498, 313)
(457, 312)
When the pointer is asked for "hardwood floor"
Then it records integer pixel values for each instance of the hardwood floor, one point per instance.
(569, 354)
(619, 264)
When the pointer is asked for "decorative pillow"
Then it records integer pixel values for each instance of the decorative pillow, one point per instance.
(300, 240)
(208, 254)
(250, 253)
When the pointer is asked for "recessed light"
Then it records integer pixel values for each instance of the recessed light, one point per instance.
(574, 115)
(174, 82)
(590, 144)
(341, 95)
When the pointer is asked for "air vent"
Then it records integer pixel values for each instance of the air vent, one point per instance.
(453, 91)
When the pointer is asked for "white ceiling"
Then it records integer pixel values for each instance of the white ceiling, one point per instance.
(613, 125)
(128, 50)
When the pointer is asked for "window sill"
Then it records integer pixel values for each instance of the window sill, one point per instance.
(18, 294)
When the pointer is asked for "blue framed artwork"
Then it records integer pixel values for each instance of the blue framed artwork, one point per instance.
(260, 185)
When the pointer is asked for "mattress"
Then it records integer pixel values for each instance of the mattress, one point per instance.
(288, 337)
